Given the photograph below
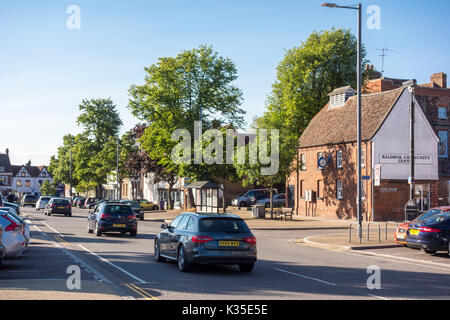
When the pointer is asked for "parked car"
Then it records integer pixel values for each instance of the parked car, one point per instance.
(25, 227)
(136, 206)
(2, 247)
(29, 200)
(431, 234)
(14, 206)
(80, 202)
(279, 200)
(12, 237)
(195, 238)
(90, 202)
(250, 197)
(40, 204)
(147, 205)
(112, 217)
(58, 205)
(401, 231)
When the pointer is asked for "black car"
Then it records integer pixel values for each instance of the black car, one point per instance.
(195, 238)
(59, 206)
(136, 206)
(112, 217)
(431, 235)
(12, 205)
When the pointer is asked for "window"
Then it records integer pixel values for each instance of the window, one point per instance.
(319, 189)
(190, 225)
(303, 162)
(339, 190)
(2, 169)
(363, 159)
(301, 189)
(183, 223)
(363, 190)
(19, 183)
(27, 183)
(23, 174)
(339, 159)
(40, 183)
(442, 112)
(223, 225)
(443, 136)
(176, 221)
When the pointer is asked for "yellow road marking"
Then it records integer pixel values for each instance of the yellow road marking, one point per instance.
(62, 241)
(140, 291)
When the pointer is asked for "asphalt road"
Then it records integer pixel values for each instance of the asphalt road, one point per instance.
(119, 267)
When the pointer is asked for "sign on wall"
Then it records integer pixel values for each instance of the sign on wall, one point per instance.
(377, 175)
(390, 158)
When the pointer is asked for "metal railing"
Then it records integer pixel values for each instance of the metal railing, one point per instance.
(350, 231)
(386, 227)
(379, 230)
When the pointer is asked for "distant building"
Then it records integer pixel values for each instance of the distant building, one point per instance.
(325, 183)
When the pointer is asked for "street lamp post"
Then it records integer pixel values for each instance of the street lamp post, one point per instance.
(359, 83)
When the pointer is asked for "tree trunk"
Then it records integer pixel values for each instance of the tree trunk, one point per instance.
(190, 202)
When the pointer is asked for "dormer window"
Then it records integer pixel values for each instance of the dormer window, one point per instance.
(339, 96)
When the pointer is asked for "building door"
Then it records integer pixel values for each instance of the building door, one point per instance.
(422, 196)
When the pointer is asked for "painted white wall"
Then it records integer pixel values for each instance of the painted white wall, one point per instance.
(393, 138)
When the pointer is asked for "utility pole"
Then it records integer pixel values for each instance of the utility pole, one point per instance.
(117, 171)
(70, 175)
(411, 206)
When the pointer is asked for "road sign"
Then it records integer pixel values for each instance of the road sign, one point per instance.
(365, 177)
(377, 175)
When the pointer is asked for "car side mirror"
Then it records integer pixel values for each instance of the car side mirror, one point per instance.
(164, 226)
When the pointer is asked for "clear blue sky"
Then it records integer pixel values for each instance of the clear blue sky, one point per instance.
(47, 69)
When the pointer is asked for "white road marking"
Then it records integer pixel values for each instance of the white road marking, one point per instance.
(378, 297)
(139, 280)
(74, 258)
(302, 276)
(59, 234)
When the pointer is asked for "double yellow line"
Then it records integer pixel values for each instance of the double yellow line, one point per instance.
(64, 242)
(140, 291)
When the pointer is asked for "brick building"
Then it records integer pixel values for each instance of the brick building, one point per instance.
(330, 191)
(434, 98)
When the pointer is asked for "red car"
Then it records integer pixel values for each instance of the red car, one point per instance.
(400, 232)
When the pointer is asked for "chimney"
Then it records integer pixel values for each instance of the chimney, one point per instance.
(7, 152)
(439, 79)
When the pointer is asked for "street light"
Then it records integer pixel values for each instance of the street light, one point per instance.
(359, 80)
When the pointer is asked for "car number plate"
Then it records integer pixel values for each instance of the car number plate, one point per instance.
(61, 208)
(119, 225)
(401, 235)
(414, 232)
(229, 243)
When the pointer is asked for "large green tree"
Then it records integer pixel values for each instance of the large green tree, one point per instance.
(179, 90)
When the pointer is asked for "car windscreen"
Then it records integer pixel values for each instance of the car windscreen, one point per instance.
(45, 199)
(118, 210)
(223, 225)
(438, 218)
(428, 214)
(61, 202)
(30, 198)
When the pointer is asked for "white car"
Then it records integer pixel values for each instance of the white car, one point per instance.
(12, 236)
(26, 228)
(40, 204)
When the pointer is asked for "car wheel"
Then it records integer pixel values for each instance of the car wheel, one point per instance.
(123, 233)
(248, 267)
(449, 248)
(133, 233)
(183, 265)
(267, 205)
(98, 233)
(242, 204)
(142, 217)
(154, 208)
(157, 252)
(89, 229)
(429, 251)
(49, 214)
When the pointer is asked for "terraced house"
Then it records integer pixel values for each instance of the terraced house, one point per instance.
(325, 182)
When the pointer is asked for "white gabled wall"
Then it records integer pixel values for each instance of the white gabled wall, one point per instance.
(393, 138)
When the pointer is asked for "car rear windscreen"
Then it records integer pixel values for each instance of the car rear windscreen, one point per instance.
(438, 218)
(223, 225)
(116, 210)
(61, 202)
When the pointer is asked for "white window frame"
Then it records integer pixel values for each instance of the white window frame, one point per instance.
(339, 160)
(303, 162)
(339, 195)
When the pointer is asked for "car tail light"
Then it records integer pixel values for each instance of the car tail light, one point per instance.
(201, 239)
(13, 226)
(52, 206)
(132, 217)
(423, 229)
(250, 240)
(104, 216)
